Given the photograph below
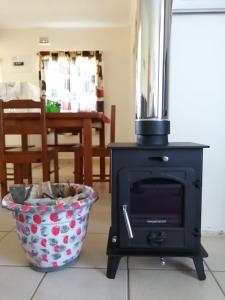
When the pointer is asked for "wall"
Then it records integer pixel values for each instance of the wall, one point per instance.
(197, 102)
(114, 42)
(133, 38)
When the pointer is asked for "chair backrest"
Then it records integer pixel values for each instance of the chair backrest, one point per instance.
(113, 124)
(22, 123)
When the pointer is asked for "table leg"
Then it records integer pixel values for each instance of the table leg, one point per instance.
(102, 144)
(18, 173)
(87, 152)
(27, 168)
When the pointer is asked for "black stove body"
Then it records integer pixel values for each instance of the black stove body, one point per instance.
(156, 185)
(156, 203)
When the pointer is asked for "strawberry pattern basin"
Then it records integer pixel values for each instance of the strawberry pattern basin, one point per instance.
(52, 235)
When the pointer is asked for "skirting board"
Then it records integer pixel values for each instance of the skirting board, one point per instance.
(212, 233)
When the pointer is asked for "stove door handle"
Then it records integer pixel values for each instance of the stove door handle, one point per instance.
(127, 222)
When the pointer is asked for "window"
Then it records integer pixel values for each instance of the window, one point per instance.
(74, 79)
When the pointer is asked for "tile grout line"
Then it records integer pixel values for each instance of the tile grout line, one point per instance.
(14, 266)
(35, 291)
(165, 270)
(6, 233)
(214, 277)
(73, 268)
(103, 233)
(91, 268)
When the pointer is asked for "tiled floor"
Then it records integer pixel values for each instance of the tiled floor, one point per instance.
(137, 278)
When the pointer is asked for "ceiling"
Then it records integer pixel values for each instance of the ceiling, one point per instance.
(64, 14)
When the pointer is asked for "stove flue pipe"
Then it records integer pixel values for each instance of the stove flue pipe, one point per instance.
(153, 38)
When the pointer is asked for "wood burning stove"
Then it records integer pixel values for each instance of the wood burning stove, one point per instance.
(156, 185)
(156, 202)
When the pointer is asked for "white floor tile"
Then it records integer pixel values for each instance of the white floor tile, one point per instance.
(18, 283)
(11, 253)
(2, 234)
(153, 263)
(220, 276)
(103, 189)
(7, 222)
(100, 217)
(215, 246)
(82, 284)
(93, 254)
(171, 285)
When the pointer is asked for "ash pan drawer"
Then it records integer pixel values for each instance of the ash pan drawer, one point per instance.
(156, 238)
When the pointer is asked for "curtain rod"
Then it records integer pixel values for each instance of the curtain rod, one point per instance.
(74, 51)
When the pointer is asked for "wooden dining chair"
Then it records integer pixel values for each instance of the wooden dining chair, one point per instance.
(62, 147)
(12, 170)
(99, 151)
(24, 124)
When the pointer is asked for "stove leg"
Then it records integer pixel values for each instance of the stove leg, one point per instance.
(113, 263)
(199, 266)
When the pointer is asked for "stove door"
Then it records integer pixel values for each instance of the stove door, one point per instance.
(157, 201)
(158, 208)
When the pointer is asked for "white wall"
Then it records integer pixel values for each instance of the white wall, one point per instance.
(115, 44)
(133, 38)
(197, 102)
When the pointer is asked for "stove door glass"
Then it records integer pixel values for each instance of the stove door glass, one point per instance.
(158, 202)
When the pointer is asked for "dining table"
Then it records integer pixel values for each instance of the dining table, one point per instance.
(71, 121)
(86, 121)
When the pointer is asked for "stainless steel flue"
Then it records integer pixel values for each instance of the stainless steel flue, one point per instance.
(153, 40)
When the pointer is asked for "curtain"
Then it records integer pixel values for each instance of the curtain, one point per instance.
(99, 88)
(74, 79)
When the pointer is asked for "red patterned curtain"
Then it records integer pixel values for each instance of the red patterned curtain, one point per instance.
(73, 78)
